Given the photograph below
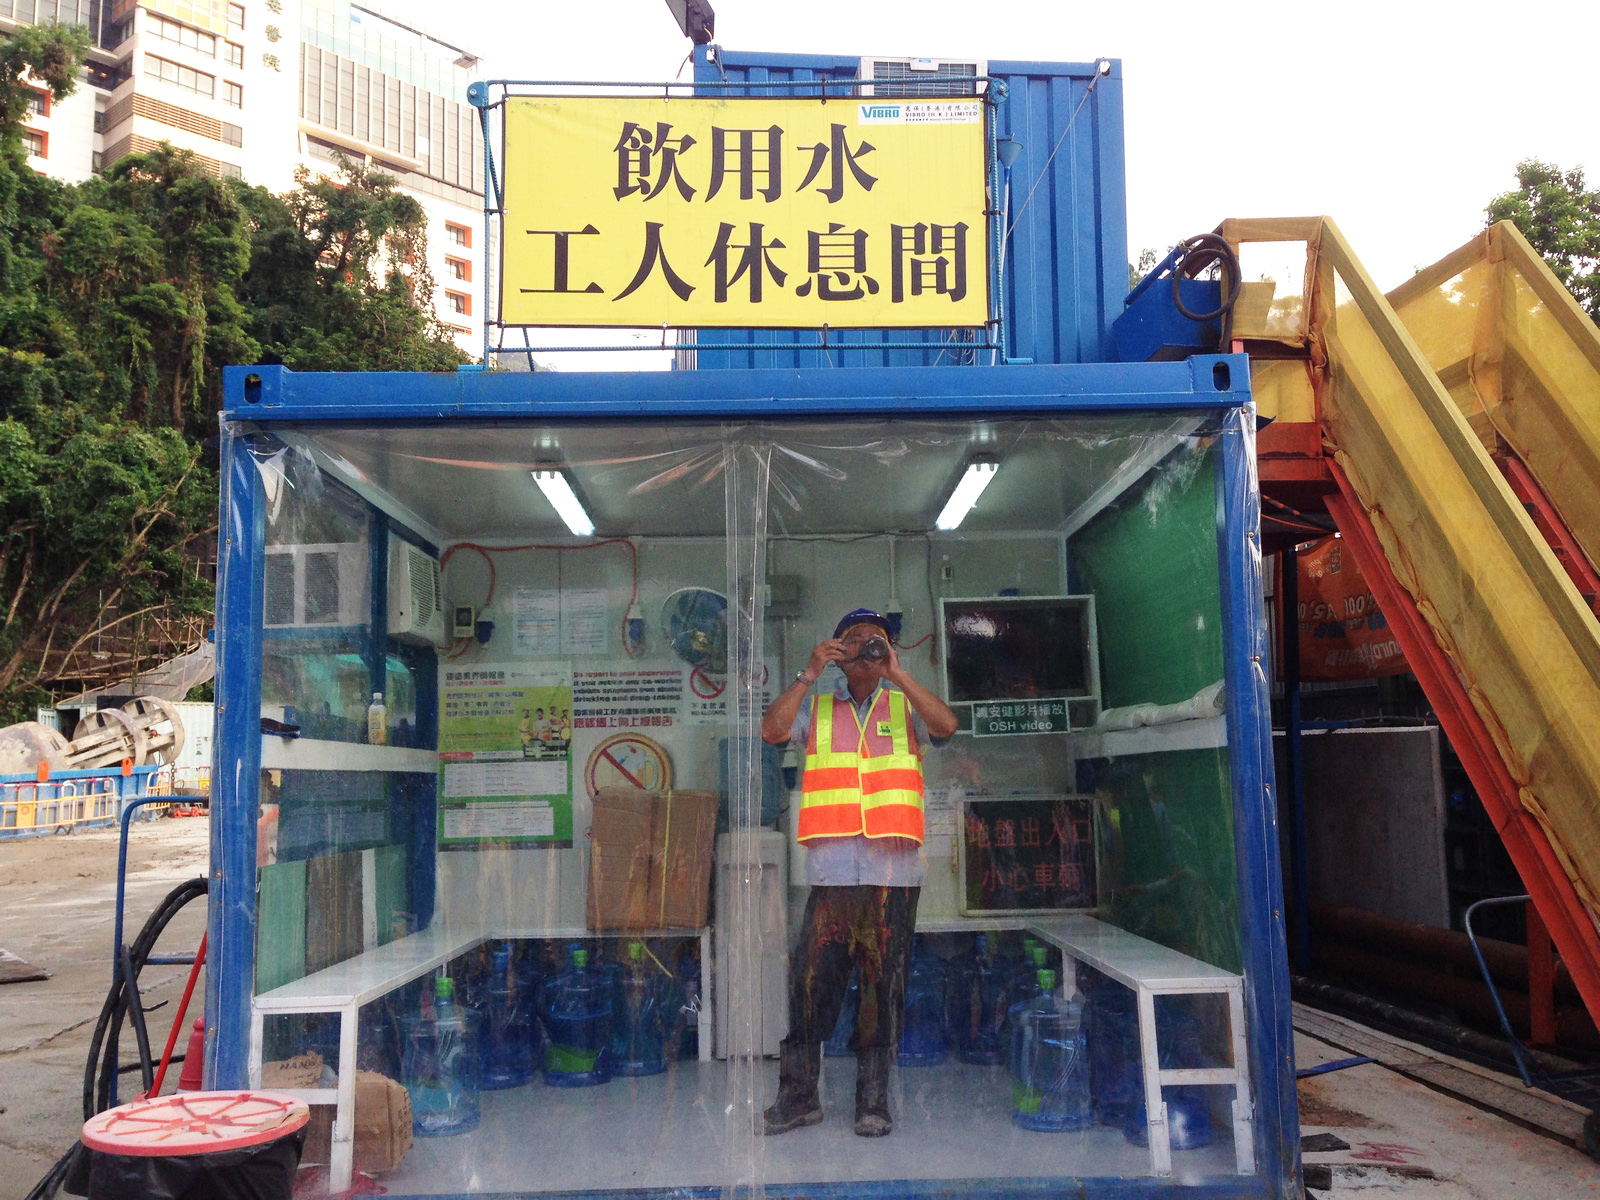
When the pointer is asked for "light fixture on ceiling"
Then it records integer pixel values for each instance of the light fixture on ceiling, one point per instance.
(564, 500)
(979, 473)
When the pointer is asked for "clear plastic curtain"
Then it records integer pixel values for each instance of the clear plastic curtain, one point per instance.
(748, 462)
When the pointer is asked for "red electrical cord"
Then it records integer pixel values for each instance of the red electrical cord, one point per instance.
(488, 553)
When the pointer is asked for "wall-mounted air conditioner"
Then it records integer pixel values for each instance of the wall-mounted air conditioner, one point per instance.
(317, 585)
(416, 599)
(915, 77)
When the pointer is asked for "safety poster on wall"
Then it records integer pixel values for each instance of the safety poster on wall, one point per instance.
(505, 756)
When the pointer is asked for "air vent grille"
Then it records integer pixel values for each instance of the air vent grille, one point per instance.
(916, 77)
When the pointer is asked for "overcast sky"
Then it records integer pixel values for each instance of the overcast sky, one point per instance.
(1400, 119)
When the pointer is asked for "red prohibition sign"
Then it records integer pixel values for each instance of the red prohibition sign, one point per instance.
(704, 685)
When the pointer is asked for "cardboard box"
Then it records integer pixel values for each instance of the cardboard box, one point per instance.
(383, 1125)
(382, 1115)
(650, 859)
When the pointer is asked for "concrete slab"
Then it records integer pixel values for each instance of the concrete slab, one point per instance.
(1408, 1138)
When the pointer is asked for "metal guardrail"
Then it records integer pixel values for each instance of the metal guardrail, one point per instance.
(56, 806)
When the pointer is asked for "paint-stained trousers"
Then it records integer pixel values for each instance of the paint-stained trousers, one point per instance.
(862, 925)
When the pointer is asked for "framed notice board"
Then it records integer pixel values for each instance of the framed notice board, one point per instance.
(1026, 854)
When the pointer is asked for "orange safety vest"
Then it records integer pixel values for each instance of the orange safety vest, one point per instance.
(862, 777)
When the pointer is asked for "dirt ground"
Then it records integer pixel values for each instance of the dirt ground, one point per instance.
(58, 911)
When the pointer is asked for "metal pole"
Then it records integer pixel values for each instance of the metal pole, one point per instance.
(1289, 570)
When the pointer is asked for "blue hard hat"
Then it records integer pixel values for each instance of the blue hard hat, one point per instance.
(861, 616)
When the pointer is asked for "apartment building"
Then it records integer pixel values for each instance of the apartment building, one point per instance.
(257, 88)
(373, 87)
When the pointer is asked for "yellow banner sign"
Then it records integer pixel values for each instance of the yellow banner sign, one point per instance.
(744, 213)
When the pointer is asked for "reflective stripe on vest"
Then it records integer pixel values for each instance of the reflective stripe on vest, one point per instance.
(873, 786)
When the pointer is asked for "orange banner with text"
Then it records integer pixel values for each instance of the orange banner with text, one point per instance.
(1343, 634)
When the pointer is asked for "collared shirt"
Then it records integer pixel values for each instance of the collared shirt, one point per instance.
(846, 861)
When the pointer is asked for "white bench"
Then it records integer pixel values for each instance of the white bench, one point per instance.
(1153, 970)
(344, 987)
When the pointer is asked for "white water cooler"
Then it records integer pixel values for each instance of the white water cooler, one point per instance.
(751, 943)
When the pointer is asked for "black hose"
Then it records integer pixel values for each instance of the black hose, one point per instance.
(141, 1032)
(55, 1176)
(122, 998)
(1196, 254)
(125, 994)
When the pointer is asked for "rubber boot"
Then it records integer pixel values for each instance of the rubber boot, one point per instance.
(872, 1091)
(798, 1070)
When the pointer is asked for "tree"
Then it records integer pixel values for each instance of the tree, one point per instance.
(144, 268)
(1560, 217)
(1148, 259)
(338, 279)
(121, 299)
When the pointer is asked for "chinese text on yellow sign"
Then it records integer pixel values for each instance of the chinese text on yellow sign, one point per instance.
(744, 213)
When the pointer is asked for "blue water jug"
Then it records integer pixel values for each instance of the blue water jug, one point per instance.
(838, 1043)
(507, 1036)
(923, 1041)
(642, 1017)
(1050, 1063)
(686, 1005)
(1188, 1108)
(978, 1006)
(440, 1066)
(1115, 1077)
(577, 1022)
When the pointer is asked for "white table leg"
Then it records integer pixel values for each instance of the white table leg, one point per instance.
(341, 1156)
(257, 1040)
(1243, 1109)
(1155, 1109)
(706, 975)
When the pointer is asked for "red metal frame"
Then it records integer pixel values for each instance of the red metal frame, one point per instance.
(1554, 530)
(1553, 895)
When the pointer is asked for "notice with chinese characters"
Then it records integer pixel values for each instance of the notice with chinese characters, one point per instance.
(536, 622)
(505, 757)
(1027, 853)
(745, 212)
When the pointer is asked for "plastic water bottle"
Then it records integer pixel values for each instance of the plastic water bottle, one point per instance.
(1023, 984)
(644, 1000)
(923, 1041)
(441, 1066)
(1050, 1082)
(377, 721)
(838, 1043)
(978, 1007)
(506, 1033)
(1018, 1017)
(577, 1019)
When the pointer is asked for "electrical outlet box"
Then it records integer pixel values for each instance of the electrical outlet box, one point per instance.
(947, 572)
(464, 621)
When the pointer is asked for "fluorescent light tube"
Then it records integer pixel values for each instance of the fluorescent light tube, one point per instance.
(565, 501)
(977, 476)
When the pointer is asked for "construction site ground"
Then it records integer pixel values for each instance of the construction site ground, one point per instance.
(1415, 1122)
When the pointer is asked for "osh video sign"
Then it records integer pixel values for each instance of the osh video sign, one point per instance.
(744, 213)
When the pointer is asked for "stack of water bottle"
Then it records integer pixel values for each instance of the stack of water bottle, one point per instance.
(1073, 1060)
(583, 1024)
